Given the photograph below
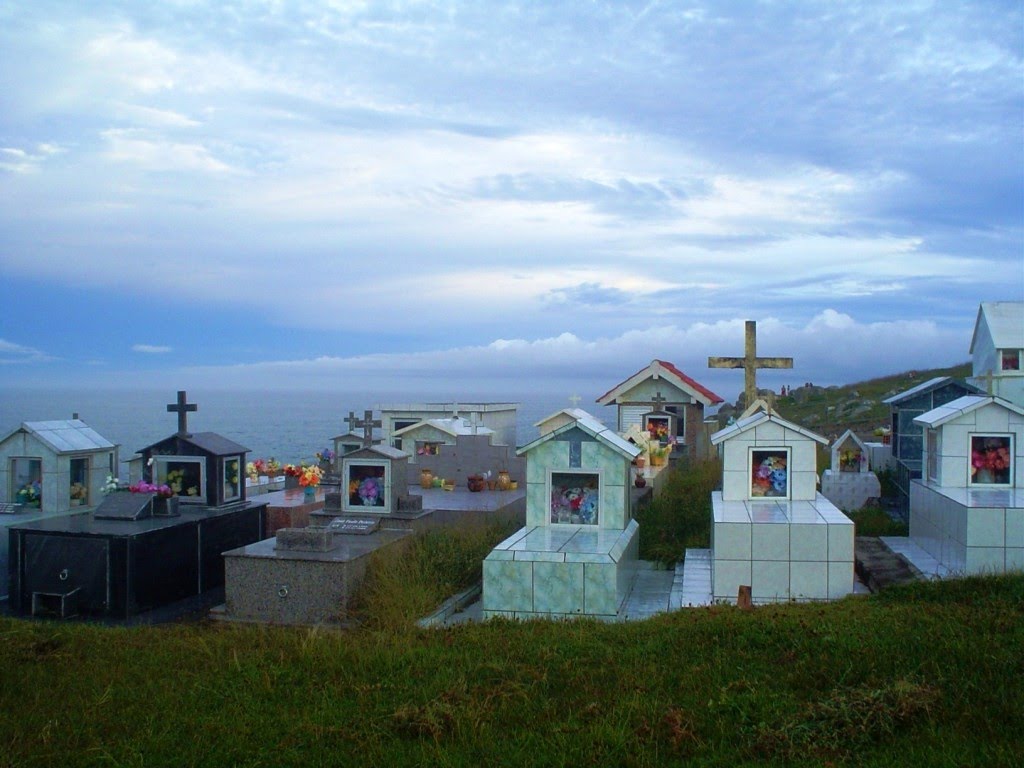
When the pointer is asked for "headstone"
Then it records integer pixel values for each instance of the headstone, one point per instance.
(750, 362)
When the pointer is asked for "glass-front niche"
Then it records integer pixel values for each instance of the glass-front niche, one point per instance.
(367, 485)
(27, 481)
(575, 497)
(769, 473)
(186, 476)
(991, 460)
(79, 491)
(232, 479)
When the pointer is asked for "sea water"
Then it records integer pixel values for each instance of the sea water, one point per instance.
(288, 426)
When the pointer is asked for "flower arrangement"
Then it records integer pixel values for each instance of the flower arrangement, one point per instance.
(369, 491)
(30, 494)
(111, 485)
(769, 476)
(850, 460)
(176, 481)
(164, 491)
(658, 430)
(291, 470)
(310, 477)
(79, 492)
(325, 456)
(990, 460)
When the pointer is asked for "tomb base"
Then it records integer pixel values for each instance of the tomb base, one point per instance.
(784, 550)
(557, 572)
(969, 531)
(118, 568)
(850, 490)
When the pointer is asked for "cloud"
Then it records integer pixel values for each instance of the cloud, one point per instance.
(151, 349)
(831, 348)
(17, 354)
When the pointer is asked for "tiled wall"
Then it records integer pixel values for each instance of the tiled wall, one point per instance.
(782, 550)
(967, 539)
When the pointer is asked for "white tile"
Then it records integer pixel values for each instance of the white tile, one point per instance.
(986, 528)
(808, 542)
(769, 580)
(803, 485)
(808, 580)
(953, 472)
(991, 418)
(840, 543)
(1015, 527)
(1015, 558)
(735, 484)
(767, 432)
(728, 576)
(770, 541)
(981, 560)
(732, 541)
(840, 579)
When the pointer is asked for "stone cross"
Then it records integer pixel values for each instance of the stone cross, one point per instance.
(182, 408)
(474, 420)
(750, 362)
(575, 400)
(657, 401)
(367, 423)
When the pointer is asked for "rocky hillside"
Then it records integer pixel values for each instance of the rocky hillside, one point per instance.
(830, 411)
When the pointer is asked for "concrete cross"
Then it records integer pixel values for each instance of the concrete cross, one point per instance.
(750, 362)
(182, 408)
(657, 401)
(367, 423)
(474, 420)
(575, 400)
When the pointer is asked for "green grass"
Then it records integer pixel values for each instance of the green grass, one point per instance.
(680, 517)
(928, 674)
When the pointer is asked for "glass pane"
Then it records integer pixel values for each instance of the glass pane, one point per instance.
(769, 473)
(991, 460)
(575, 497)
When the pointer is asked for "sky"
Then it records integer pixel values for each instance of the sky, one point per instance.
(472, 197)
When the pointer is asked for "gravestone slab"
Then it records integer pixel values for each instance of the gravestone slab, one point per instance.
(357, 525)
(304, 540)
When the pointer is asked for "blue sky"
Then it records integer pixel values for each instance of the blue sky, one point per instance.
(464, 197)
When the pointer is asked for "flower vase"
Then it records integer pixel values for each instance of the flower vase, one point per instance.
(504, 480)
(426, 478)
(309, 494)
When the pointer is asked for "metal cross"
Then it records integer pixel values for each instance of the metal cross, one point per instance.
(750, 362)
(182, 408)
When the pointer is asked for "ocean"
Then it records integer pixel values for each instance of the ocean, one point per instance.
(289, 426)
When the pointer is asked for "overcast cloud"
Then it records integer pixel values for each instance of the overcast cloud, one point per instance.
(512, 195)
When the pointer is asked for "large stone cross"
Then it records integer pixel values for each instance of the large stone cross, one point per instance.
(367, 423)
(750, 362)
(182, 408)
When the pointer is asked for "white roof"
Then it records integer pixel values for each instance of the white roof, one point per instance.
(742, 425)
(930, 384)
(962, 405)
(382, 450)
(68, 436)
(1005, 321)
(572, 413)
(592, 427)
(454, 426)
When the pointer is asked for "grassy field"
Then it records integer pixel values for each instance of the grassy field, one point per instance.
(926, 675)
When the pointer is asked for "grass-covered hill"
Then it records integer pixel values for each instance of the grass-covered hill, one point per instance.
(929, 674)
(832, 410)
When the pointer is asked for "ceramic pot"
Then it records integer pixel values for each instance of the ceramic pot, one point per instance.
(504, 481)
(426, 478)
(475, 483)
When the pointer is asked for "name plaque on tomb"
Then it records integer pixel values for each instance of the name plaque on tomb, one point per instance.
(125, 506)
(356, 525)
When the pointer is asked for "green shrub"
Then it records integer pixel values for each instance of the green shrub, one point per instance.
(407, 580)
(874, 521)
(680, 517)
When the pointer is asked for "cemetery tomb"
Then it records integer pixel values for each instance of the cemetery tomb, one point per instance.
(375, 480)
(136, 551)
(849, 483)
(967, 510)
(663, 396)
(577, 554)
(498, 417)
(771, 530)
(997, 350)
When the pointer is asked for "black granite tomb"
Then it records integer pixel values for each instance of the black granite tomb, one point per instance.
(138, 552)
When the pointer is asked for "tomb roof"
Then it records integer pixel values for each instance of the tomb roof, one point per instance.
(381, 450)
(572, 413)
(656, 369)
(592, 427)
(65, 436)
(749, 422)
(963, 405)
(1005, 321)
(210, 442)
(454, 426)
(928, 386)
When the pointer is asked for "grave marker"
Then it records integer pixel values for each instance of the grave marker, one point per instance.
(750, 362)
